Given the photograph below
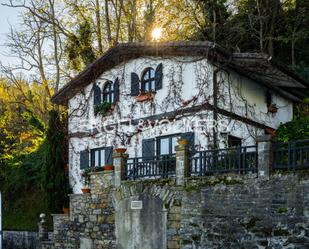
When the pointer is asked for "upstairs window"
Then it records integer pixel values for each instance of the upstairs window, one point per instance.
(108, 92)
(97, 95)
(148, 80)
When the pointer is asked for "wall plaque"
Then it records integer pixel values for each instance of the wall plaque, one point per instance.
(136, 205)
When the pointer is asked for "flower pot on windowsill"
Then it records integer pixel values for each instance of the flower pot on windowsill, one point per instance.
(147, 96)
(111, 110)
(66, 210)
(86, 190)
(108, 167)
(272, 108)
(121, 150)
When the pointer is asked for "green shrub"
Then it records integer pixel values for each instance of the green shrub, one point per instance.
(294, 130)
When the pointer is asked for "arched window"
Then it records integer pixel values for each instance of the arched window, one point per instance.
(148, 80)
(108, 92)
(97, 95)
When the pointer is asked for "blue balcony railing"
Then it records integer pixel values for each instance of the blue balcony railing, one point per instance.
(160, 166)
(291, 155)
(239, 160)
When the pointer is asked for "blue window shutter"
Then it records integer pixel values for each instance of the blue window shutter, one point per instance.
(96, 95)
(159, 77)
(92, 158)
(84, 159)
(190, 137)
(148, 148)
(116, 90)
(109, 155)
(134, 84)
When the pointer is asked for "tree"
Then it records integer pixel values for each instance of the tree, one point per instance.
(55, 181)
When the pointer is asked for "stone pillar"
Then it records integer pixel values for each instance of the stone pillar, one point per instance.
(43, 228)
(182, 161)
(101, 180)
(120, 161)
(265, 156)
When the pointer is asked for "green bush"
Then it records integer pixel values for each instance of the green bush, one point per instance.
(294, 130)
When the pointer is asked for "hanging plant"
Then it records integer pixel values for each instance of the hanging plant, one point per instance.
(103, 108)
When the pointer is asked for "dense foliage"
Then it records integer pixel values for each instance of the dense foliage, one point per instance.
(32, 156)
(298, 128)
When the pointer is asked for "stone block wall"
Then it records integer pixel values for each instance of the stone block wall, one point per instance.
(247, 213)
(91, 221)
(20, 240)
(207, 212)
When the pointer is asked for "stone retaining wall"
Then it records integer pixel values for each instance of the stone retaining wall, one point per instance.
(207, 212)
(21, 239)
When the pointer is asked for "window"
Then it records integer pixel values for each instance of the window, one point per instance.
(108, 92)
(101, 156)
(151, 80)
(97, 95)
(148, 80)
(233, 141)
(166, 145)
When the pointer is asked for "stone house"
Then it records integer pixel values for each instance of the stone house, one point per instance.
(145, 96)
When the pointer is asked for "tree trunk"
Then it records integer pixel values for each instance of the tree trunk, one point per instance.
(107, 20)
(98, 28)
(274, 9)
(293, 49)
(261, 26)
(55, 42)
(214, 24)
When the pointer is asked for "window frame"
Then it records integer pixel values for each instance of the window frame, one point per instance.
(92, 156)
(150, 80)
(108, 96)
(158, 143)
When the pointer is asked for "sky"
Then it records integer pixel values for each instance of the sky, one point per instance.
(7, 16)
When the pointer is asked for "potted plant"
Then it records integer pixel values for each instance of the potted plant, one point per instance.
(86, 190)
(272, 108)
(145, 96)
(120, 150)
(86, 177)
(183, 141)
(104, 108)
(66, 210)
(108, 167)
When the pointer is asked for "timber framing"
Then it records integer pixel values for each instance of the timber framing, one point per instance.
(175, 115)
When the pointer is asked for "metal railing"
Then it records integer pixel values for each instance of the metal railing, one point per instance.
(291, 155)
(239, 160)
(160, 166)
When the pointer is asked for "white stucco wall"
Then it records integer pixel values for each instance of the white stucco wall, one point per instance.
(183, 79)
